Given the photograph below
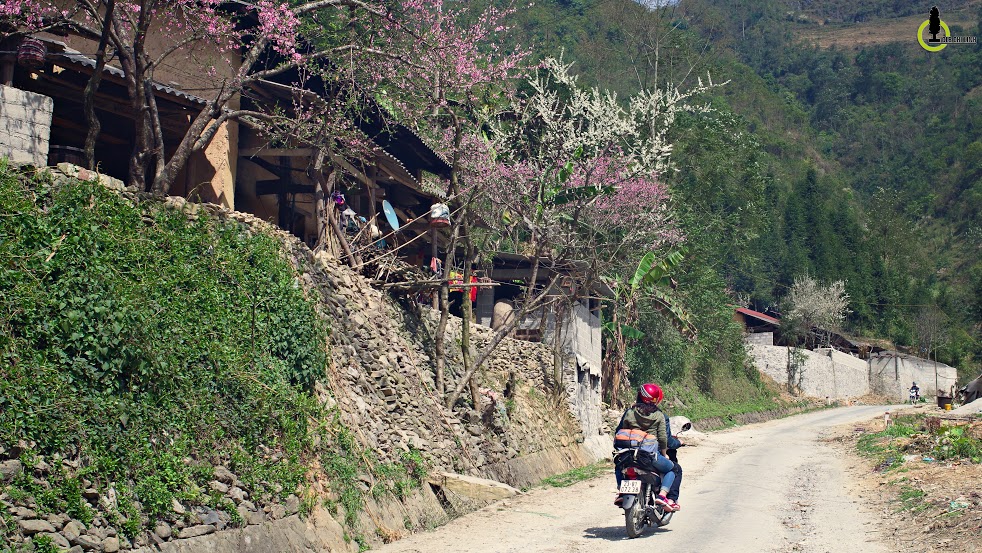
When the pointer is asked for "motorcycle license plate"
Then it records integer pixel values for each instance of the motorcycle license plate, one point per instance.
(631, 486)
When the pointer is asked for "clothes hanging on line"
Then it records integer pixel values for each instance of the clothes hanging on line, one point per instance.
(436, 265)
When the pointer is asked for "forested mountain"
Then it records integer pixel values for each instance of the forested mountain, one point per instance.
(854, 161)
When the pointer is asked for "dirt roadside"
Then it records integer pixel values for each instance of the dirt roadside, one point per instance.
(776, 487)
(925, 506)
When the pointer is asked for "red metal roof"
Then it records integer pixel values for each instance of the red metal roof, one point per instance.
(757, 315)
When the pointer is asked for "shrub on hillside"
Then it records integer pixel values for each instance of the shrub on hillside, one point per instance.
(150, 346)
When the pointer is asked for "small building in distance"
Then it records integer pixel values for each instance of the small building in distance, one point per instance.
(759, 328)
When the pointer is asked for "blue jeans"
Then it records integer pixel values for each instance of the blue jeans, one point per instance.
(663, 466)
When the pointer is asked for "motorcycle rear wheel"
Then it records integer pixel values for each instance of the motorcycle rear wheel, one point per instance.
(634, 517)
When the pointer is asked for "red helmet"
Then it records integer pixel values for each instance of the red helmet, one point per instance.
(650, 393)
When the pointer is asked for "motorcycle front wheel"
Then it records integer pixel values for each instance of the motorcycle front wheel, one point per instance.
(634, 516)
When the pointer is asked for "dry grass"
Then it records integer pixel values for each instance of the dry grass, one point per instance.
(882, 31)
(929, 507)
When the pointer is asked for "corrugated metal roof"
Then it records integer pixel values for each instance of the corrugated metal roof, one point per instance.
(74, 57)
(758, 315)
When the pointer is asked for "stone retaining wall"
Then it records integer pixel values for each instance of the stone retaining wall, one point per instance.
(380, 378)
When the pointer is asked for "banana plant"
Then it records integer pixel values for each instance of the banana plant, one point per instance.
(651, 282)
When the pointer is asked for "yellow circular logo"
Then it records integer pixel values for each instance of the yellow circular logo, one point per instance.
(925, 45)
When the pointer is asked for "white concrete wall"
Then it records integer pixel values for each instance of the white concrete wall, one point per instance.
(582, 356)
(583, 337)
(825, 373)
(760, 338)
(25, 125)
(580, 334)
(892, 374)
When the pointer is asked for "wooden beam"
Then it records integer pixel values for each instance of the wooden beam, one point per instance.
(265, 188)
(518, 274)
(108, 103)
(60, 122)
(277, 152)
(353, 171)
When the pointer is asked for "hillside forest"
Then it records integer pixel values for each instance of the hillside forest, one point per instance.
(842, 161)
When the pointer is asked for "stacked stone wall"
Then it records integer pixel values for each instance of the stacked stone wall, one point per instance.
(381, 380)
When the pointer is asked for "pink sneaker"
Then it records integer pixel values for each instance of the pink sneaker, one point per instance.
(665, 503)
(674, 505)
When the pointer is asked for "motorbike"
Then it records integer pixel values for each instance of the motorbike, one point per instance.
(639, 488)
(914, 397)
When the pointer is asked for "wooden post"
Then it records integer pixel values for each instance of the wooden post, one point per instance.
(327, 185)
(371, 172)
(320, 214)
(436, 255)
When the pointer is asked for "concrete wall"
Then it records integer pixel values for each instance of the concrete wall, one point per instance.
(581, 356)
(825, 373)
(25, 125)
(892, 373)
(760, 338)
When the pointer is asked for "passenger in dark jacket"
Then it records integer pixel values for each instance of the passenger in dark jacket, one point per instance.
(673, 449)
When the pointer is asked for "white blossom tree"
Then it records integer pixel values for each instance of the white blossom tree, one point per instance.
(813, 310)
(573, 181)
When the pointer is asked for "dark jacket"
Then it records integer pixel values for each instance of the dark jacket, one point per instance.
(649, 418)
(673, 442)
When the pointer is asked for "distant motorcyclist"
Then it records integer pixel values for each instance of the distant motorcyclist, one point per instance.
(915, 393)
(645, 415)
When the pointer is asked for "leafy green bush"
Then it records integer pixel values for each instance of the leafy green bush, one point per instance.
(150, 345)
(954, 443)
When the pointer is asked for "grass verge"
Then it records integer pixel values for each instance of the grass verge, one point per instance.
(587, 472)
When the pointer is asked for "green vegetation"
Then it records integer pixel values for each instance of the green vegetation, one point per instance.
(912, 499)
(954, 443)
(920, 435)
(883, 447)
(839, 164)
(578, 475)
(150, 347)
(146, 347)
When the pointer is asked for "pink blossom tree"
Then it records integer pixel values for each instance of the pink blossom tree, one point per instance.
(459, 74)
(580, 185)
(357, 47)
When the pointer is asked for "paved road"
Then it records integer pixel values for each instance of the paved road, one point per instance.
(773, 487)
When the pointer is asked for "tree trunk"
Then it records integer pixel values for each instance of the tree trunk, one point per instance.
(441, 329)
(611, 379)
(468, 311)
(136, 85)
(93, 85)
(557, 354)
(165, 178)
(530, 303)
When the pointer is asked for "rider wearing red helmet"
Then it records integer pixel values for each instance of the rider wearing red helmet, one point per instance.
(646, 416)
